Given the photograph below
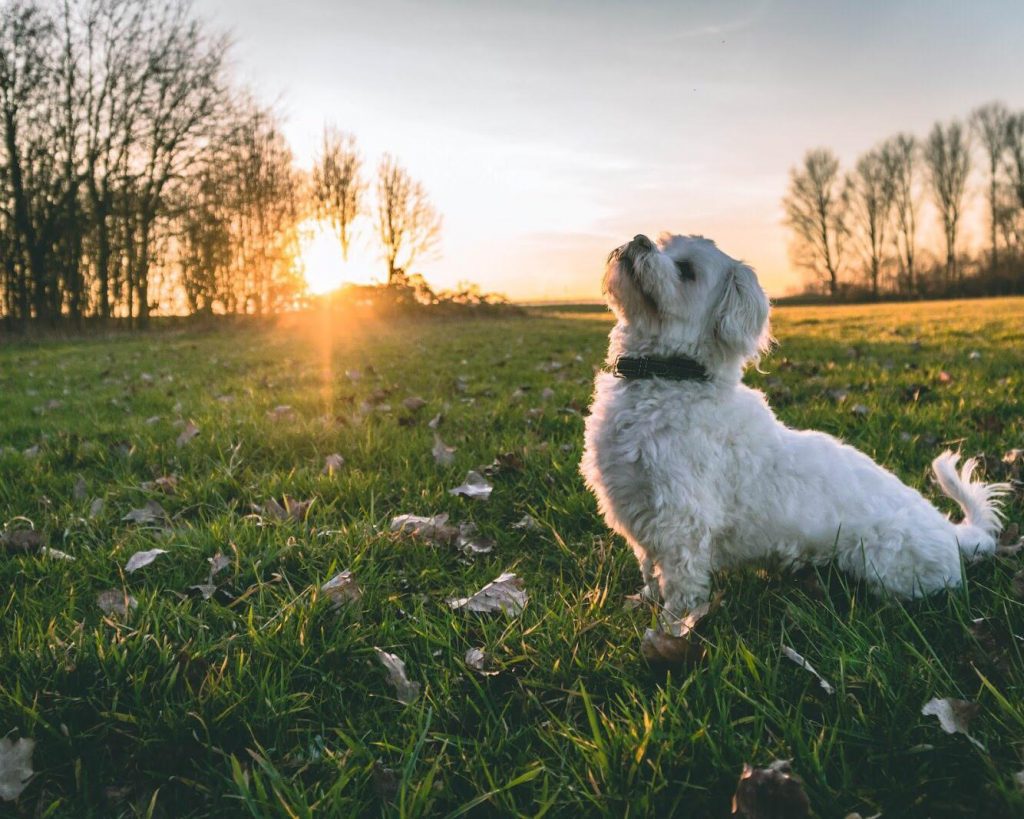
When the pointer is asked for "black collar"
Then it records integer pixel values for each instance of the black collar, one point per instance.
(676, 368)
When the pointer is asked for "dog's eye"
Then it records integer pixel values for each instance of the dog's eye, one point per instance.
(686, 270)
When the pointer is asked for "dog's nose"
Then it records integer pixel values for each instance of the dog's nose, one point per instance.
(643, 242)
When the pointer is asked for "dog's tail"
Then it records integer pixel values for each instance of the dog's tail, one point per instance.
(981, 502)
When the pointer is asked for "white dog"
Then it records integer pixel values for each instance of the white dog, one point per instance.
(694, 470)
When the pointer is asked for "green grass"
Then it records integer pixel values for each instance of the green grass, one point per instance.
(272, 703)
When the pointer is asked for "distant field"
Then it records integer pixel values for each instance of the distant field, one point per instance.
(264, 700)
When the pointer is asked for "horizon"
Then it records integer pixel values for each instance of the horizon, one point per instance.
(535, 172)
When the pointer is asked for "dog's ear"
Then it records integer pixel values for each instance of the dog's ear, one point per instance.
(741, 314)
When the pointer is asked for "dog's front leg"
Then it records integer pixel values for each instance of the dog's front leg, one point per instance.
(683, 569)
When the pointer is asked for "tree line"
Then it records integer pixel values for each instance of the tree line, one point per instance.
(136, 176)
(859, 233)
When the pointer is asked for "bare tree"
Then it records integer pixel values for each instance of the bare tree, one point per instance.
(338, 185)
(871, 192)
(408, 226)
(816, 207)
(1015, 171)
(900, 154)
(990, 123)
(947, 155)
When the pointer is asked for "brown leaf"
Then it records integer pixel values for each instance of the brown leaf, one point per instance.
(1010, 541)
(333, 463)
(1017, 585)
(800, 661)
(296, 509)
(342, 589)
(774, 792)
(140, 560)
(22, 540)
(475, 486)
(505, 594)
(405, 690)
(150, 512)
(115, 601)
(15, 766)
(504, 462)
(953, 715)
(414, 403)
(481, 662)
(188, 434)
(435, 529)
(443, 454)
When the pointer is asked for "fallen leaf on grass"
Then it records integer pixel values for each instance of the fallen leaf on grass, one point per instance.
(443, 454)
(115, 601)
(679, 644)
(475, 486)
(435, 422)
(860, 409)
(15, 766)
(281, 412)
(414, 403)
(472, 544)
(80, 491)
(504, 594)
(527, 524)
(168, 484)
(96, 508)
(800, 661)
(140, 560)
(332, 463)
(953, 715)
(56, 554)
(21, 540)
(151, 512)
(502, 463)
(481, 662)
(385, 781)
(1010, 541)
(292, 509)
(435, 529)
(1017, 585)
(187, 434)
(218, 563)
(202, 590)
(405, 690)
(774, 792)
(342, 589)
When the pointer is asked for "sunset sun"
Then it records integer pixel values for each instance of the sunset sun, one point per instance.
(324, 266)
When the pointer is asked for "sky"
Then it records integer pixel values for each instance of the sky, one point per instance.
(549, 133)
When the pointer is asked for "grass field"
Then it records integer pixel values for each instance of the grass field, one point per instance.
(267, 700)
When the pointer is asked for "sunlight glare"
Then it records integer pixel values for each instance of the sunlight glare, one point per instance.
(323, 265)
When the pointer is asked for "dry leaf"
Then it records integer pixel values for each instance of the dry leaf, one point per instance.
(1016, 584)
(860, 409)
(774, 792)
(405, 690)
(281, 412)
(218, 563)
(1010, 541)
(481, 662)
(414, 403)
(502, 463)
(342, 589)
(151, 512)
(115, 601)
(953, 715)
(292, 509)
(56, 554)
(80, 491)
(188, 433)
(527, 524)
(505, 594)
(202, 590)
(435, 422)
(15, 766)
(96, 508)
(470, 543)
(386, 781)
(475, 486)
(443, 454)
(140, 560)
(297, 510)
(434, 529)
(800, 661)
(333, 463)
(21, 540)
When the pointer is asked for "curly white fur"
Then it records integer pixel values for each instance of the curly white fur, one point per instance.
(700, 476)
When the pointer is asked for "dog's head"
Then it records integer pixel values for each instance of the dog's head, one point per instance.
(683, 294)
